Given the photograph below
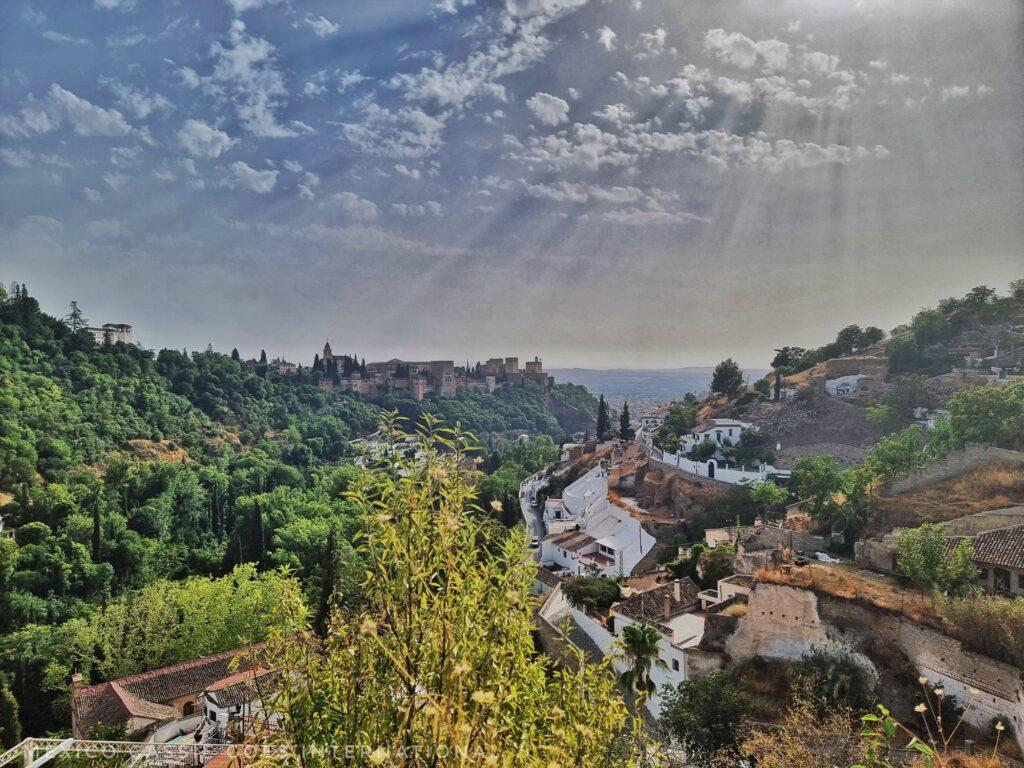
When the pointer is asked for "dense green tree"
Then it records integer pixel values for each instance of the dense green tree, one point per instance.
(704, 713)
(10, 725)
(925, 556)
(727, 378)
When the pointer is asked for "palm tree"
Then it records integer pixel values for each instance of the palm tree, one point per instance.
(639, 644)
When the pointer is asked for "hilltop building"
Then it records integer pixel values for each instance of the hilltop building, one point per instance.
(112, 333)
(416, 378)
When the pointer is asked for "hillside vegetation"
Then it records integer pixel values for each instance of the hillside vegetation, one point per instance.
(124, 471)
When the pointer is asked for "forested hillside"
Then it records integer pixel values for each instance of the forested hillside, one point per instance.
(124, 473)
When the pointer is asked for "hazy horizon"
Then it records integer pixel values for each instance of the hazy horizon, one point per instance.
(649, 184)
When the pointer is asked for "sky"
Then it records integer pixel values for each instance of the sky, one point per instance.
(602, 183)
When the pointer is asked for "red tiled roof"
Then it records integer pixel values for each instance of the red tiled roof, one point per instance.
(1002, 547)
(112, 703)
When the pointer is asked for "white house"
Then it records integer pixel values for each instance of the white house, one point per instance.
(844, 385)
(718, 431)
(588, 534)
(670, 609)
(239, 698)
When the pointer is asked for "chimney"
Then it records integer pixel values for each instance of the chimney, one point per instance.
(77, 684)
(677, 591)
(668, 607)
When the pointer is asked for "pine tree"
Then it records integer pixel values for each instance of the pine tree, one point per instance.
(625, 430)
(603, 424)
(74, 319)
(328, 583)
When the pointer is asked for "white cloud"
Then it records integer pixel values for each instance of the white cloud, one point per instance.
(139, 101)
(311, 179)
(305, 192)
(115, 5)
(654, 44)
(115, 181)
(409, 173)
(244, 73)
(291, 165)
(241, 6)
(59, 37)
(960, 92)
(87, 118)
(92, 195)
(190, 166)
(203, 140)
(247, 177)
(548, 109)
(60, 106)
(356, 207)
(347, 80)
(16, 158)
(743, 52)
(879, 64)
(606, 37)
(125, 157)
(615, 113)
(321, 26)
(407, 132)
(430, 208)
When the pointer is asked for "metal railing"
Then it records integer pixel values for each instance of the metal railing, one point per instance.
(35, 753)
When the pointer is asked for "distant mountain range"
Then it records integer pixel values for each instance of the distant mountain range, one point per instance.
(643, 385)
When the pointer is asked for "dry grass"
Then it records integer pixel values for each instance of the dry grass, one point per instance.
(736, 609)
(979, 490)
(164, 451)
(859, 586)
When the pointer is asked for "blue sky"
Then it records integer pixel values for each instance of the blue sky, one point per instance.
(600, 182)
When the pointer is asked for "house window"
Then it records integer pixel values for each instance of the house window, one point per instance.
(1020, 581)
(983, 574)
(675, 665)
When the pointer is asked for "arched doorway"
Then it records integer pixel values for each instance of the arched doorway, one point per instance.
(711, 469)
(188, 709)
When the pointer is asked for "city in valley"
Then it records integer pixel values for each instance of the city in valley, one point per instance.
(511, 384)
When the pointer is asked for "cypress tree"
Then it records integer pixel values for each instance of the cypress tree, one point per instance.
(328, 583)
(263, 357)
(235, 356)
(625, 430)
(602, 419)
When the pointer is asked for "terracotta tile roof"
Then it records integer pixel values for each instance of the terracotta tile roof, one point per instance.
(1002, 547)
(649, 606)
(112, 703)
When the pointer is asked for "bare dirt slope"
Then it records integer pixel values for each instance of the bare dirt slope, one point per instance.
(816, 424)
(668, 496)
(978, 490)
